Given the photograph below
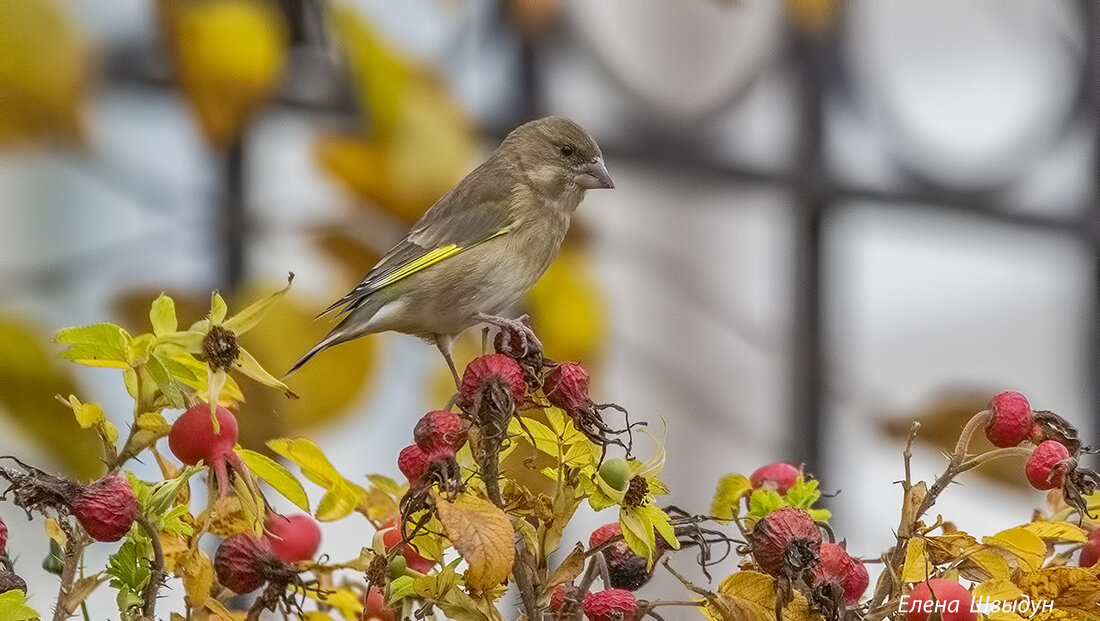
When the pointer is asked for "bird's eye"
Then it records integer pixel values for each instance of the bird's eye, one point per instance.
(567, 150)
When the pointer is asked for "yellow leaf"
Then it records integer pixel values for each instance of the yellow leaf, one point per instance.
(226, 518)
(483, 536)
(751, 596)
(309, 457)
(991, 564)
(174, 547)
(162, 315)
(1022, 543)
(1058, 531)
(248, 318)
(230, 55)
(917, 567)
(727, 498)
(279, 478)
(1074, 591)
(340, 500)
(44, 73)
(87, 414)
(570, 567)
(197, 573)
(53, 531)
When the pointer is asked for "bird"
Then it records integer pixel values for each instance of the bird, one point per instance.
(481, 246)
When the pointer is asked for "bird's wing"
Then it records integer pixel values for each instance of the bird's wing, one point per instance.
(473, 213)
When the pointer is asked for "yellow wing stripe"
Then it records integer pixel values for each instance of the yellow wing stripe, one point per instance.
(430, 258)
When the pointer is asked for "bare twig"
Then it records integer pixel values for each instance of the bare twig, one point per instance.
(156, 577)
(74, 548)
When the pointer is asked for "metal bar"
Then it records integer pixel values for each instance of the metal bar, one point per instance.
(807, 344)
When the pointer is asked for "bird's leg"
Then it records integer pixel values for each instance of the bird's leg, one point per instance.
(520, 328)
(444, 342)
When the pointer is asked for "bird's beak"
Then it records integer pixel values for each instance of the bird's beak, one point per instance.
(593, 175)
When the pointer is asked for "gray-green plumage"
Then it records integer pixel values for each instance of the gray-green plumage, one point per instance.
(506, 221)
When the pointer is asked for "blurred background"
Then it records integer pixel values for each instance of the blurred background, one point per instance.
(830, 219)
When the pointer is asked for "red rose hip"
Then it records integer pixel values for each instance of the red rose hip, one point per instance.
(780, 476)
(1043, 468)
(940, 599)
(1011, 421)
(106, 508)
(294, 538)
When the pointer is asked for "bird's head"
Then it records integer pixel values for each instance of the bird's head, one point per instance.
(557, 153)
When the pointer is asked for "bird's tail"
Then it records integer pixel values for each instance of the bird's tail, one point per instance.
(352, 326)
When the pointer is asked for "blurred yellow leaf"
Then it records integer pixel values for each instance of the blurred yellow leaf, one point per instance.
(230, 56)
(342, 496)
(483, 536)
(30, 378)
(812, 16)
(44, 73)
(567, 308)
(420, 143)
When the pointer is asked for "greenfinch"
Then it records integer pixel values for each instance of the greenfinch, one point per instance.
(481, 246)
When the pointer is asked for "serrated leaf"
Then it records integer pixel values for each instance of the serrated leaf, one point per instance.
(804, 493)
(101, 344)
(727, 497)
(482, 535)
(763, 502)
(162, 315)
(279, 478)
(13, 606)
(386, 484)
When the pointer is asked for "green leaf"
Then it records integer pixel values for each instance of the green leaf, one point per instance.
(402, 587)
(163, 495)
(803, 493)
(727, 498)
(167, 384)
(820, 515)
(162, 315)
(763, 502)
(638, 532)
(101, 344)
(279, 478)
(128, 568)
(13, 606)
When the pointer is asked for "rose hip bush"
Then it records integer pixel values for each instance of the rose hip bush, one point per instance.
(491, 482)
